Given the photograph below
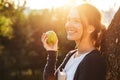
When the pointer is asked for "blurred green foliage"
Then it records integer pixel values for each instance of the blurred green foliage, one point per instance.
(5, 27)
(22, 56)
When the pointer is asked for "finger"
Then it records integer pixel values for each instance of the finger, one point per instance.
(43, 37)
(45, 40)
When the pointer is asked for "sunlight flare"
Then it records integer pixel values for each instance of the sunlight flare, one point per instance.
(40, 4)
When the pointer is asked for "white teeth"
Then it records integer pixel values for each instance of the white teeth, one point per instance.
(71, 32)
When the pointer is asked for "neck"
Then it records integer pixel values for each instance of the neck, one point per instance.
(84, 46)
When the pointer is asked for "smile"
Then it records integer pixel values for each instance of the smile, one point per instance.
(71, 32)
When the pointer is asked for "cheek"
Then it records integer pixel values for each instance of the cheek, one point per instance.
(78, 28)
(79, 32)
(67, 25)
(77, 25)
(72, 24)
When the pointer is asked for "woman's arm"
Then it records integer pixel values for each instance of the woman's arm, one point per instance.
(50, 67)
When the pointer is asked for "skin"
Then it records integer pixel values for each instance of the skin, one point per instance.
(77, 32)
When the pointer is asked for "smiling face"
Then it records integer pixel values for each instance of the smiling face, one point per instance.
(74, 27)
(84, 24)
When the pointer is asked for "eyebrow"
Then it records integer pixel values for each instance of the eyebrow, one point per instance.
(75, 18)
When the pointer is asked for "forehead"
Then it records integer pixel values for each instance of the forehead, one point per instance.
(74, 13)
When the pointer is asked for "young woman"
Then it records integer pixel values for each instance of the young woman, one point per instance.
(85, 62)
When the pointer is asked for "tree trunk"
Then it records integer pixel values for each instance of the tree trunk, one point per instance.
(111, 48)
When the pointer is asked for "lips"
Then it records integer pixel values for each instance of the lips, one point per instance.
(71, 32)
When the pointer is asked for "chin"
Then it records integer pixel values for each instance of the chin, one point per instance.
(70, 38)
(73, 38)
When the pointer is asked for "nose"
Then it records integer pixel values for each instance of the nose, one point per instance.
(68, 24)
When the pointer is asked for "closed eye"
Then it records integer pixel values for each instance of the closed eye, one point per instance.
(76, 20)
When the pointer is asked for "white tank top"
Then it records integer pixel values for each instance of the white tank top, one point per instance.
(72, 65)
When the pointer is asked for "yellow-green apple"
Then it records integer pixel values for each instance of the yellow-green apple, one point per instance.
(52, 37)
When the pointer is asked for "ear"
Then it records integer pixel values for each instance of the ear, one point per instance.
(90, 29)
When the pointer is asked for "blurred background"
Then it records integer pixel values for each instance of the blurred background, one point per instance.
(22, 22)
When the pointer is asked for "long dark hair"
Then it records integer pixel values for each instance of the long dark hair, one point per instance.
(93, 17)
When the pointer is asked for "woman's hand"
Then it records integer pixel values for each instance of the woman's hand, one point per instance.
(49, 47)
